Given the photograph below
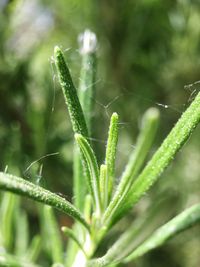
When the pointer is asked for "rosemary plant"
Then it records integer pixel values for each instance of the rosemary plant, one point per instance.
(99, 205)
(16, 248)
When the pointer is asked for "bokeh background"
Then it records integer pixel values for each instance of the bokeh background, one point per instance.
(148, 55)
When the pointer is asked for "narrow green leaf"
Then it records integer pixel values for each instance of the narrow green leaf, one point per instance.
(69, 232)
(163, 157)
(91, 162)
(88, 208)
(7, 209)
(120, 251)
(70, 94)
(104, 185)
(74, 248)
(80, 175)
(22, 232)
(22, 187)
(52, 234)
(34, 249)
(111, 153)
(7, 260)
(181, 222)
(143, 144)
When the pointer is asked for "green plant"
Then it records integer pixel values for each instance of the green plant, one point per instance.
(98, 205)
(16, 250)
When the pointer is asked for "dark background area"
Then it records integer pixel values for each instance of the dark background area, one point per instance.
(148, 55)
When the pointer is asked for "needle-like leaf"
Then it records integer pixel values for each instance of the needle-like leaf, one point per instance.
(138, 231)
(162, 158)
(51, 234)
(144, 142)
(104, 185)
(34, 248)
(181, 222)
(88, 208)
(22, 231)
(20, 186)
(111, 154)
(120, 250)
(8, 260)
(70, 94)
(8, 206)
(69, 232)
(86, 91)
(91, 162)
(76, 115)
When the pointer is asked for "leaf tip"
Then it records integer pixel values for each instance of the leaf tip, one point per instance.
(57, 50)
(77, 136)
(88, 42)
(152, 114)
(115, 115)
(64, 229)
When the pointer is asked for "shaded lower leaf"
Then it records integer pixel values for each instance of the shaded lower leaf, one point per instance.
(181, 222)
(51, 234)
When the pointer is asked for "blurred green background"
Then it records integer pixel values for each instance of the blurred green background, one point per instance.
(148, 55)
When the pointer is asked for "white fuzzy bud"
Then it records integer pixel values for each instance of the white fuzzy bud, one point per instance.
(88, 42)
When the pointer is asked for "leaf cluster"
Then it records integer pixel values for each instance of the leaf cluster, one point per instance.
(100, 203)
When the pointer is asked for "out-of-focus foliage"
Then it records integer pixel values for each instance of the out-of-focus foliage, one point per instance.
(149, 50)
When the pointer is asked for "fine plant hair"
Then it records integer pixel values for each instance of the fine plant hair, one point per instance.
(100, 202)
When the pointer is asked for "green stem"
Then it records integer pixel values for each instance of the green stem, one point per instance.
(86, 92)
(88, 72)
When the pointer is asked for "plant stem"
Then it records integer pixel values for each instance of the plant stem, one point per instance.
(88, 43)
(86, 92)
